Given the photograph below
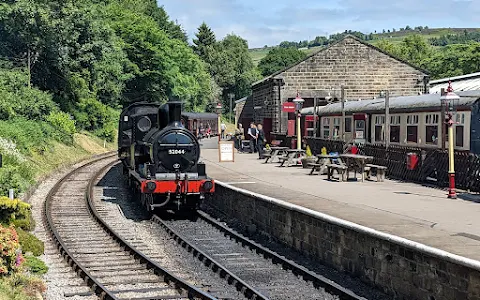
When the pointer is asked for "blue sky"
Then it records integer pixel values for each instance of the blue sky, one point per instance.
(268, 22)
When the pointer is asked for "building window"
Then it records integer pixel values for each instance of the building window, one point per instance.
(336, 127)
(459, 136)
(431, 128)
(326, 127)
(395, 134)
(348, 124)
(412, 134)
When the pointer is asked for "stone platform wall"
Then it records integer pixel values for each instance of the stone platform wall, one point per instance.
(399, 267)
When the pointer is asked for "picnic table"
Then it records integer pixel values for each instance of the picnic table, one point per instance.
(275, 153)
(322, 161)
(356, 162)
(293, 157)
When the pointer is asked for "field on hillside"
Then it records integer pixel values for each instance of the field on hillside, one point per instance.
(395, 37)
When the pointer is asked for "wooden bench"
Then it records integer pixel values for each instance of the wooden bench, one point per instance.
(341, 170)
(282, 159)
(314, 166)
(380, 171)
(267, 156)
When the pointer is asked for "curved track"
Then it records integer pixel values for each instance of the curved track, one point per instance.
(262, 273)
(110, 265)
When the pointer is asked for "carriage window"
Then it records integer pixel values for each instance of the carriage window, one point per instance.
(431, 128)
(394, 134)
(336, 127)
(459, 136)
(326, 127)
(412, 134)
(379, 128)
(432, 134)
(348, 124)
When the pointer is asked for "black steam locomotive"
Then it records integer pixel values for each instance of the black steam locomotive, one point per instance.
(161, 157)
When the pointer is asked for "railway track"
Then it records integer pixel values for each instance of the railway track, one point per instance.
(107, 260)
(265, 274)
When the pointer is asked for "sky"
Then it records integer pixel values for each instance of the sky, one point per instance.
(269, 22)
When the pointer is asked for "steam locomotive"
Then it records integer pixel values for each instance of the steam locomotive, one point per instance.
(161, 157)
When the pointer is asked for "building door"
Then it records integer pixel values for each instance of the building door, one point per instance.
(291, 128)
(267, 128)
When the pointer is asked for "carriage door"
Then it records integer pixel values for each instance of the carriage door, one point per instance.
(360, 135)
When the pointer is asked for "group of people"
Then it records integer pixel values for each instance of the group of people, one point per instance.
(256, 136)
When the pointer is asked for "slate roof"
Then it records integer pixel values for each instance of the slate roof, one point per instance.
(331, 45)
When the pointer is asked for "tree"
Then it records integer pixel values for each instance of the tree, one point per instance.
(279, 58)
(205, 39)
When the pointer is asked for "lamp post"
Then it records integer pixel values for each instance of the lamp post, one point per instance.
(218, 110)
(449, 101)
(231, 96)
(298, 106)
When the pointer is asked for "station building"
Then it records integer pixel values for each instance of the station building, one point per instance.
(361, 68)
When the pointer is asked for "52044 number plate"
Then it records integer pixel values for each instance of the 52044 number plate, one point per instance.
(176, 151)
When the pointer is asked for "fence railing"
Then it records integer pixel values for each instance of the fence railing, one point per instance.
(432, 166)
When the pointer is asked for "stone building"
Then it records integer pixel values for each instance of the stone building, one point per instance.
(244, 111)
(362, 69)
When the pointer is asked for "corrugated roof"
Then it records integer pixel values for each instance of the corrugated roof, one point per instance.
(337, 42)
(396, 103)
(461, 83)
(199, 115)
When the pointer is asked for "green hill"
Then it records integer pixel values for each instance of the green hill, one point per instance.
(395, 37)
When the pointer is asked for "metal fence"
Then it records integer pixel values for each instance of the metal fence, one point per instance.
(432, 166)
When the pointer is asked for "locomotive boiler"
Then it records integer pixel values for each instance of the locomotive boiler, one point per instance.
(161, 157)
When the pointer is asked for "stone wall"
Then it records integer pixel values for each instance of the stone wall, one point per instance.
(362, 69)
(401, 268)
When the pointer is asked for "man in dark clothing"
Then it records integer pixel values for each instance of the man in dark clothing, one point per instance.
(260, 141)
(253, 133)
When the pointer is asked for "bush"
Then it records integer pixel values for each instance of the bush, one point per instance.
(62, 121)
(35, 265)
(30, 243)
(21, 287)
(10, 210)
(9, 246)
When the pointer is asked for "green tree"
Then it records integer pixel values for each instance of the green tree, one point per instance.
(204, 42)
(279, 58)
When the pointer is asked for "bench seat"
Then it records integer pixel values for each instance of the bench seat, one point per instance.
(314, 166)
(380, 171)
(341, 170)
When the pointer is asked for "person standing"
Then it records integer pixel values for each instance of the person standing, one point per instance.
(260, 141)
(238, 137)
(252, 132)
(223, 127)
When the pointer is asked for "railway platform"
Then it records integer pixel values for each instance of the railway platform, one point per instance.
(415, 212)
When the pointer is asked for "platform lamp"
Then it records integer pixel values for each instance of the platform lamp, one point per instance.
(298, 107)
(218, 110)
(449, 101)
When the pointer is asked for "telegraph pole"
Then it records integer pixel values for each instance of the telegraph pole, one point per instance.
(29, 69)
(231, 96)
(387, 119)
(342, 99)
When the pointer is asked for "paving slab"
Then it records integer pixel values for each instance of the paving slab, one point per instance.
(416, 212)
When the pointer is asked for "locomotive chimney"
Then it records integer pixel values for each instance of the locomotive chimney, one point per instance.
(174, 111)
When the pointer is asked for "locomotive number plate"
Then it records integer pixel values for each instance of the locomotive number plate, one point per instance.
(176, 151)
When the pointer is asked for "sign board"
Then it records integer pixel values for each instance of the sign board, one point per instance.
(288, 107)
(226, 151)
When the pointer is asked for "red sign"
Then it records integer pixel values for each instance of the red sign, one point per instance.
(288, 107)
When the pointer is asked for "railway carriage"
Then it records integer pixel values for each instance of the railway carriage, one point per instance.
(198, 123)
(161, 157)
(414, 121)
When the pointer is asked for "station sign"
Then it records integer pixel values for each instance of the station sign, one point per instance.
(288, 107)
(226, 151)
